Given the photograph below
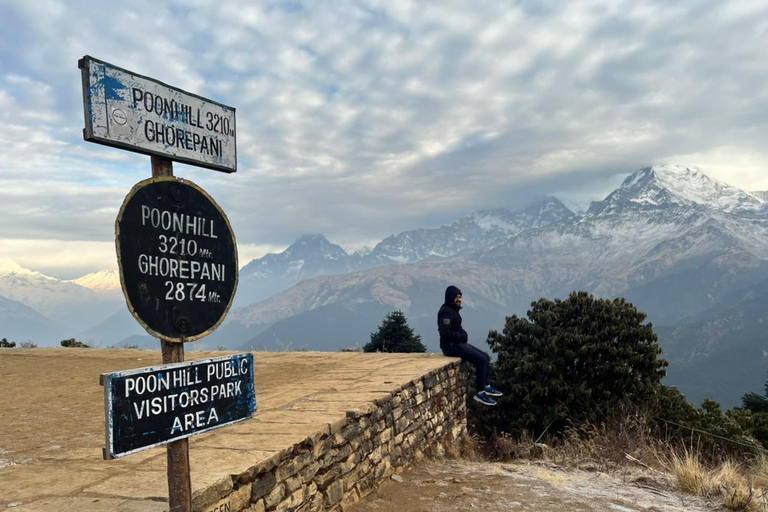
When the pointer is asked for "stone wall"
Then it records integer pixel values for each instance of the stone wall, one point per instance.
(334, 468)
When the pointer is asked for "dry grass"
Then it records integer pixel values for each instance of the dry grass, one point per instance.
(625, 444)
(730, 481)
(609, 446)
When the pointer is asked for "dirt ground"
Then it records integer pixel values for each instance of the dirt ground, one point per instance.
(457, 485)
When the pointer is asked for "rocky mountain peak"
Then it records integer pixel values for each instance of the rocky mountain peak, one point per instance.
(665, 186)
(551, 210)
(312, 246)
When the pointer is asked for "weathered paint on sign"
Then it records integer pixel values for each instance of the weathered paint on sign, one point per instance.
(152, 406)
(137, 113)
(177, 257)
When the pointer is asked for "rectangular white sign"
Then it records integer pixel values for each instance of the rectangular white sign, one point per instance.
(140, 114)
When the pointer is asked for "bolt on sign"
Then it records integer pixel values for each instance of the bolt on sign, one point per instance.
(177, 257)
(151, 406)
(137, 113)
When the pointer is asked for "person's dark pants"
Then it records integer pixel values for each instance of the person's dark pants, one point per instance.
(475, 356)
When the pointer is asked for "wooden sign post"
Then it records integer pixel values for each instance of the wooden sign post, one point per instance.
(176, 250)
(177, 452)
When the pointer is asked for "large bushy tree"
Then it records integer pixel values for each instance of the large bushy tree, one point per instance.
(573, 361)
(394, 335)
(755, 402)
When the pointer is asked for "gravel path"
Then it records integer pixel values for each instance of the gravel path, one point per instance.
(455, 485)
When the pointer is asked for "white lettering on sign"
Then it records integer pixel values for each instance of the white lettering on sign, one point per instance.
(141, 114)
(155, 405)
(192, 420)
(181, 269)
(180, 379)
(177, 222)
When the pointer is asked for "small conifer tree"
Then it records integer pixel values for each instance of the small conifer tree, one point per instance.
(394, 335)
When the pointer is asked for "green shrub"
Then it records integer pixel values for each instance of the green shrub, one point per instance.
(73, 343)
(571, 362)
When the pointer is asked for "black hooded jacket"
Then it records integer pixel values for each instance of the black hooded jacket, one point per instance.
(449, 320)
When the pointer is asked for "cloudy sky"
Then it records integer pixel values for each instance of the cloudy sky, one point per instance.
(359, 119)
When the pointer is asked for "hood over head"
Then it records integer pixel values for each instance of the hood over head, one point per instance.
(450, 294)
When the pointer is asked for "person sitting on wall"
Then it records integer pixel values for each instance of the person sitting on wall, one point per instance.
(453, 343)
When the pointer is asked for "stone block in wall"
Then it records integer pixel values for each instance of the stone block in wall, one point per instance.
(381, 469)
(294, 500)
(346, 434)
(322, 446)
(334, 493)
(309, 472)
(293, 465)
(263, 485)
(365, 485)
(356, 474)
(259, 506)
(385, 435)
(276, 496)
(204, 498)
(356, 442)
(323, 480)
(292, 483)
(237, 500)
(375, 455)
(349, 499)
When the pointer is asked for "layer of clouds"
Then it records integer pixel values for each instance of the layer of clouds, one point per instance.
(358, 119)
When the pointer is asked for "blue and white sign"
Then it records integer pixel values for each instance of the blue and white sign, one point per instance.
(137, 113)
(152, 406)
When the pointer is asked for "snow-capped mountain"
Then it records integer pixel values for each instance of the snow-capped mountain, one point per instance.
(64, 302)
(36, 290)
(307, 257)
(761, 194)
(480, 229)
(313, 255)
(102, 281)
(675, 186)
(660, 221)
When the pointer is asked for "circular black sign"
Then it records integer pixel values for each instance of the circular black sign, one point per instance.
(177, 257)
